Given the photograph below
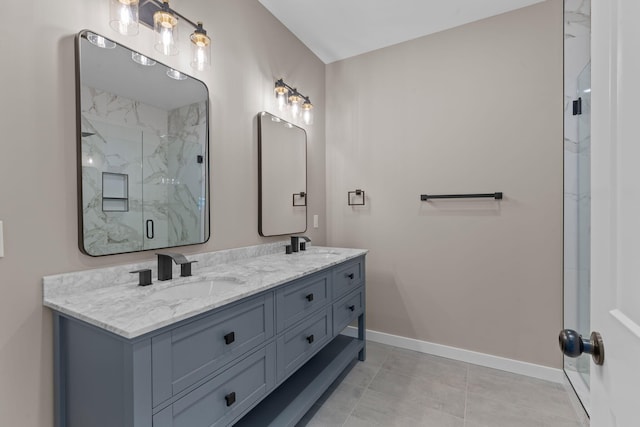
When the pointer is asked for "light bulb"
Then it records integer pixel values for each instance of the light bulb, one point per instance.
(165, 26)
(142, 60)
(294, 101)
(175, 74)
(200, 49)
(307, 112)
(124, 16)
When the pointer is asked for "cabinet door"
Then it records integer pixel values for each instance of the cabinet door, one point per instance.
(296, 301)
(301, 342)
(224, 397)
(188, 354)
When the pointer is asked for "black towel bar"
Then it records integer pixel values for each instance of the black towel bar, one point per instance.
(497, 196)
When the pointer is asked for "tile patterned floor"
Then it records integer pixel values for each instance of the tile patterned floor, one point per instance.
(396, 387)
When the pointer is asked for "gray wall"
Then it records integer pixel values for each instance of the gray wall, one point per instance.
(38, 170)
(471, 110)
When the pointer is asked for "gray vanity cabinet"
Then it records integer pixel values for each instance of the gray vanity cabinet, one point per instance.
(187, 354)
(261, 361)
(219, 401)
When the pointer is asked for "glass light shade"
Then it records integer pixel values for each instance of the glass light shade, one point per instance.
(124, 16)
(200, 51)
(282, 95)
(100, 41)
(307, 113)
(295, 101)
(142, 60)
(165, 26)
(175, 74)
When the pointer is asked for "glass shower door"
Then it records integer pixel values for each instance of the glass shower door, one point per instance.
(577, 287)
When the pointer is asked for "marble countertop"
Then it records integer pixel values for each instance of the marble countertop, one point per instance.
(99, 297)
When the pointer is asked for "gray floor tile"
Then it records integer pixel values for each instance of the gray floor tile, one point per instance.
(344, 397)
(484, 411)
(431, 394)
(377, 353)
(378, 409)
(324, 416)
(361, 374)
(439, 369)
(396, 387)
(518, 390)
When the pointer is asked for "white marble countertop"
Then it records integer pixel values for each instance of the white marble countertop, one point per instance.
(110, 298)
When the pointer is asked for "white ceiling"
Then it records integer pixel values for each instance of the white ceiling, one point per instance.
(339, 29)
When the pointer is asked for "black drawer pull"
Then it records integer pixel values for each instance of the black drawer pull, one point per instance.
(229, 338)
(310, 339)
(230, 398)
(352, 307)
(350, 275)
(309, 297)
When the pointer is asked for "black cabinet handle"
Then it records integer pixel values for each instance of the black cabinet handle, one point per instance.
(309, 297)
(149, 227)
(229, 338)
(350, 275)
(352, 307)
(230, 398)
(310, 339)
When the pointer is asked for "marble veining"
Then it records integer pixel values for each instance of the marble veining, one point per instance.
(110, 298)
(158, 151)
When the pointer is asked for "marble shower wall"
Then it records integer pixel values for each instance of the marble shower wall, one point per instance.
(577, 193)
(186, 208)
(152, 147)
(134, 132)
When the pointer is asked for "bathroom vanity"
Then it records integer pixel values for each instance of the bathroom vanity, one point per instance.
(252, 339)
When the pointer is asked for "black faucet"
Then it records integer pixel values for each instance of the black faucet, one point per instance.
(295, 243)
(165, 269)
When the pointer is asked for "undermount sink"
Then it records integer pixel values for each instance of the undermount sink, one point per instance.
(199, 289)
(323, 251)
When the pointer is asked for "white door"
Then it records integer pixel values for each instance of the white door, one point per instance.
(615, 211)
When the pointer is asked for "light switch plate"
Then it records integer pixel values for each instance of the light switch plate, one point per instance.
(315, 221)
(1, 241)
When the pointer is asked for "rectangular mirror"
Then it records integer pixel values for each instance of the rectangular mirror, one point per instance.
(143, 151)
(282, 171)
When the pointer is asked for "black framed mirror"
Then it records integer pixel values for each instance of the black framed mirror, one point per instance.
(143, 151)
(282, 172)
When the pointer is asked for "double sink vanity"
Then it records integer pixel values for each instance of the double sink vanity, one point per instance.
(252, 338)
(248, 336)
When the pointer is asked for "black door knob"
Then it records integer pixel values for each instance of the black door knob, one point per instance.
(573, 345)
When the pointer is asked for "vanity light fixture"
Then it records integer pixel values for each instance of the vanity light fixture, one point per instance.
(200, 49)
(289, 98)
(158, 15)
(165, 25)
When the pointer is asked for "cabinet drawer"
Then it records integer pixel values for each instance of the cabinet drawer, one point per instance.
(294, 302)
(347, 309)
(347, 277)
(223, 398)
(300, 343)
(187, 354)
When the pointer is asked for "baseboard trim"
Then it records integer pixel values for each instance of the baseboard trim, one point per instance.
(476, 358)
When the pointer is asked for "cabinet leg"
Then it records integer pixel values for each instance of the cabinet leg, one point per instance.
(362, 355)
(58, 373)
